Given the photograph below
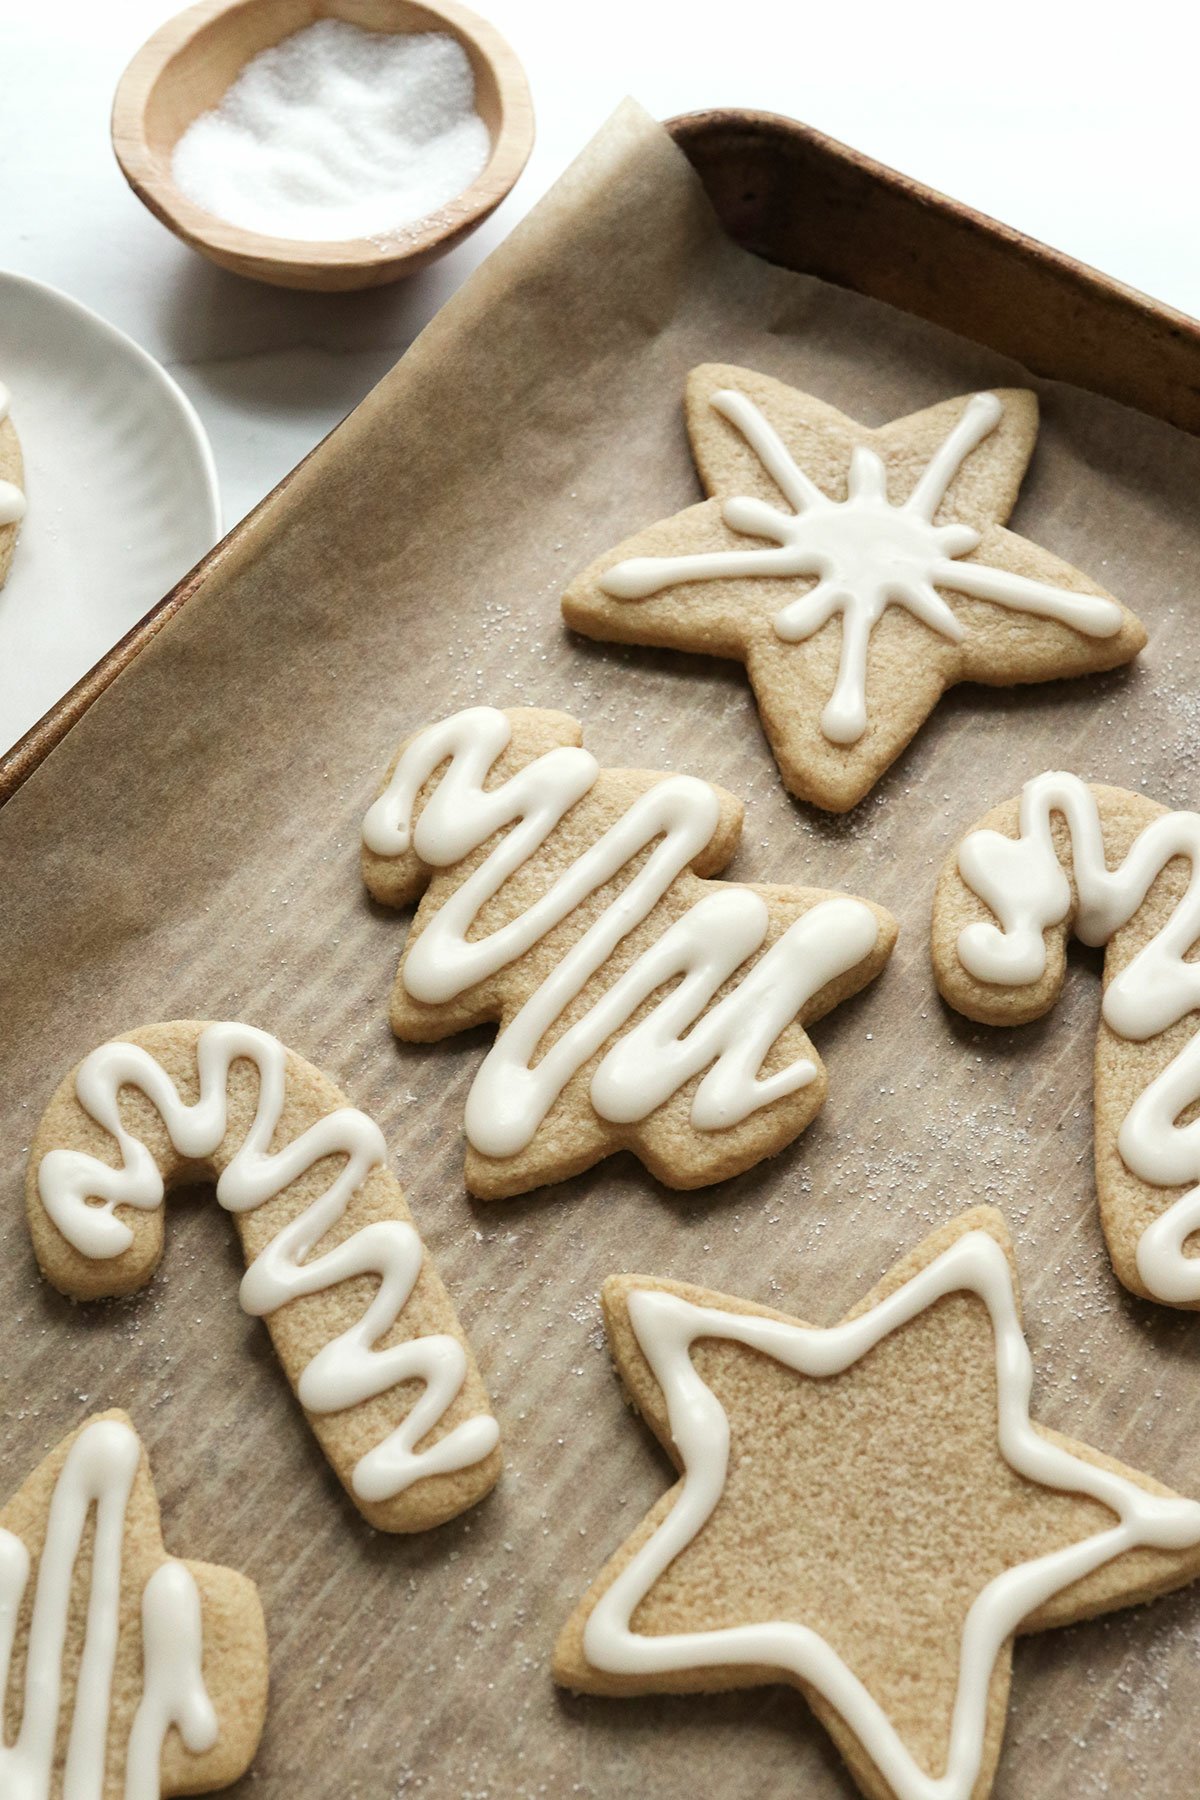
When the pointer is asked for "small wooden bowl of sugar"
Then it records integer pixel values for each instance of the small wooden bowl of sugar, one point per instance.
(334, 145)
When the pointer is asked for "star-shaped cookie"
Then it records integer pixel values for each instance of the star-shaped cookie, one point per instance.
(865, 1511)
(858, 574)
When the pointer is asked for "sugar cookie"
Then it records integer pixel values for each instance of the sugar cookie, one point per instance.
(885, 579)
(12, 493)
(1122, 871)
(296, 1165)
(133, 1674)
(640, 1006)
(865, 1511)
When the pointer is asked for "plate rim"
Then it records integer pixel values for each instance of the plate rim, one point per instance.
(46, 292)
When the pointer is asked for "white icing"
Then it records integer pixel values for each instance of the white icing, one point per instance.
(348, 1369)
(866, 553)
(12, 500)
(666, 1326)
(1024, 885)
(99, 1471)
(172, 1691)
(699, 952)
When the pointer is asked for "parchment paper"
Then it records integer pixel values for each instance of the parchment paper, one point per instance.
(191, 849)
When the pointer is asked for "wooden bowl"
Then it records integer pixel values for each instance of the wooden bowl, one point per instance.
(188, 65)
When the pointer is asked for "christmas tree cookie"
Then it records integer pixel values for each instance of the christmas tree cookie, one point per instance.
(130, 1674)
(641, 1004)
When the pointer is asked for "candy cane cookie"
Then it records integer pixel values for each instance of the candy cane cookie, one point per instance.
(387, 1379)
(1120, 870)
(134, 1675)
(640, 1006)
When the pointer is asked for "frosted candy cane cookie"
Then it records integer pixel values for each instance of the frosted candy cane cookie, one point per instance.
(858, 574)
(132, 1674)
(866, 1511)
(385, 1375)
(640, 1005)
(1122, 871)
(12, 493)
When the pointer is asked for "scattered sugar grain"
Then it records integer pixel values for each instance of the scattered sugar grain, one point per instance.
(338, 133)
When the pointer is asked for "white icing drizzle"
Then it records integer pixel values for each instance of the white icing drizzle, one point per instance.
(12, 500)
(348, 1369)
(699, 952)
(666, 1326)
(99, 1471)
(866, 554)
(1023, 883)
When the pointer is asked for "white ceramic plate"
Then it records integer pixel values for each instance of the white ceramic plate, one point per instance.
(121, 487)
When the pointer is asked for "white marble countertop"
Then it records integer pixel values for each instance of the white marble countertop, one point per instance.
(1081, 135)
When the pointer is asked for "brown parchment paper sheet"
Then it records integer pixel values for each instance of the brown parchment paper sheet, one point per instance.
(192, 849)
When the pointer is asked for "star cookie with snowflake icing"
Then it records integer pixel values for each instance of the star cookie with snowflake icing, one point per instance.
(865, 1511)
(858, 574)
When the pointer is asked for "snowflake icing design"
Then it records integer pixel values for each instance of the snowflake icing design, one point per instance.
(865, 553)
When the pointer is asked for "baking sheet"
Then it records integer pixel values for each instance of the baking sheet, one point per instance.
(191, 850)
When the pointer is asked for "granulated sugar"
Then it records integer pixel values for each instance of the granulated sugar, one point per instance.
(338, 133)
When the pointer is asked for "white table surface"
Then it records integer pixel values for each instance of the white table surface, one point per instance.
(1077, 125)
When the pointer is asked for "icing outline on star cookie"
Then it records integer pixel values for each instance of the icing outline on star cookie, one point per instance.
(74, 1197)
(665, 1325)
(984, 966)
(698, 1030)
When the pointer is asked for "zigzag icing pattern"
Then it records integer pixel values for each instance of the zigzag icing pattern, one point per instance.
(688, 1032)
(1024, 884)
(81, 1195)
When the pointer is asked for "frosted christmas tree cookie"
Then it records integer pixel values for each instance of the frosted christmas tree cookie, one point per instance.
(12, 492)
(383, 1372)
(641, 1005)
(1120, 870)
(866, 1511)
(132, 1674)
(858, 574)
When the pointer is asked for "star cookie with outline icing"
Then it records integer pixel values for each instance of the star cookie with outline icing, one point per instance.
(885, 576)
(852, 1517)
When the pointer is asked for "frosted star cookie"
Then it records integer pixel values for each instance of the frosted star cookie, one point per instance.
(865, 1511)
(133, 1674)
(640, 1005)
(883, 578)
(384, 1374)
(1119, 870)
(12, 494)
